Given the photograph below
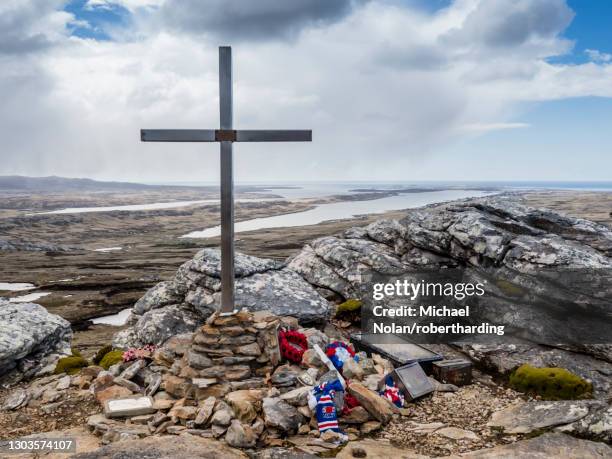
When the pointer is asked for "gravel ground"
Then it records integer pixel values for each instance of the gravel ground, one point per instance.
(468, 409)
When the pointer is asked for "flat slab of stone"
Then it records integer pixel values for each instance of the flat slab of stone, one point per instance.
(455, 433)
(527, 417)
(129, 406)
(543, 447)
(183, 446)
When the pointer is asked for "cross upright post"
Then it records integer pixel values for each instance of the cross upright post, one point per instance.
(226, 136)
(226, 116)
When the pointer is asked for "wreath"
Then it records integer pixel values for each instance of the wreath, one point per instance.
(292, 345)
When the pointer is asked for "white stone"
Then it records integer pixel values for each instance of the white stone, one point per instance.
(132, 406)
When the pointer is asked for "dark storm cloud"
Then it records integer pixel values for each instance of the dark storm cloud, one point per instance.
(253, 20)
(22, 27)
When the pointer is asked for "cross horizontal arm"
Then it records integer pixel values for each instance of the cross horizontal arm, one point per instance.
(219, 135)
(178, 135)
(273, 136)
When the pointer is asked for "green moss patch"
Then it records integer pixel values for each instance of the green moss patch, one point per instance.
(70, 365)
(101, 353)
(111, 358)
(350, 305)
(550, 383)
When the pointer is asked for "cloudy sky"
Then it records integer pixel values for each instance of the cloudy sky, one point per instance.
(393, 89)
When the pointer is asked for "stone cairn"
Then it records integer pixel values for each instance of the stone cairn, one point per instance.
(227, 354)
(227, 381)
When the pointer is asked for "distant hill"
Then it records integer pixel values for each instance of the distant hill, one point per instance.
(53, 183)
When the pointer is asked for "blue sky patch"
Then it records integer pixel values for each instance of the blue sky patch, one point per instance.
(96, 21)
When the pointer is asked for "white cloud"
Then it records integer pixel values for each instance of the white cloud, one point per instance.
(598, 56)
(488, 127)
(384, 88)
(131, 5)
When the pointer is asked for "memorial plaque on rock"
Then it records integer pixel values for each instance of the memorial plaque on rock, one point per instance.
(411, 380)
(398, 350)
(453, 371)
(129, 406)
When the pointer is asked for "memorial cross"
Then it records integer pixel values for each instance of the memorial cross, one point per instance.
(226, 136)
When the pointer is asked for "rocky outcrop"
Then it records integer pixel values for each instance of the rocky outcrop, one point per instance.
(31, 340)
(11, 246)
(181, 305)
(526, 256)
(543, 447)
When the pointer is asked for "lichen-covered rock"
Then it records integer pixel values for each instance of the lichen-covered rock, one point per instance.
(180, 305)
(162, 294)
(158, 325)
(31, 340)
(597, 425)
(543, 447)
(527, 417)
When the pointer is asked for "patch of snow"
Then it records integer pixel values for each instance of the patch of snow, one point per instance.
(108, 249)
(114, 319)
(29, 297)
(16, 286)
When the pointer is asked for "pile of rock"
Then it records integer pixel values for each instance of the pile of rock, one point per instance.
(232, 353)
(226, 381)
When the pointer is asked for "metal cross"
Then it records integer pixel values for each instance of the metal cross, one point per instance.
(226, 135)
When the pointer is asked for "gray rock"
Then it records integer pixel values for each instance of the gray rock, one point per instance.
(31, 340)
(208, 262)
(158, 325)
(223, 415)
(261, 285)
(279, 414)
(133, 369)
(240, 435)
(132, 386)
(597, 425)
(297, 397)
(544, 447)
(526, 417)
(154, 383)
(63, 383)
(162, 294)
(198, 361)
(16, 399)
(157, 447)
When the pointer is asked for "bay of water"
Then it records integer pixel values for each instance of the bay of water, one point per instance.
(343, 210)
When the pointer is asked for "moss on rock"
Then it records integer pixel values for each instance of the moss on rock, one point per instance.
(101, 353)
(350, 305)
(111, 358)
(550, 383)
(70, 365)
